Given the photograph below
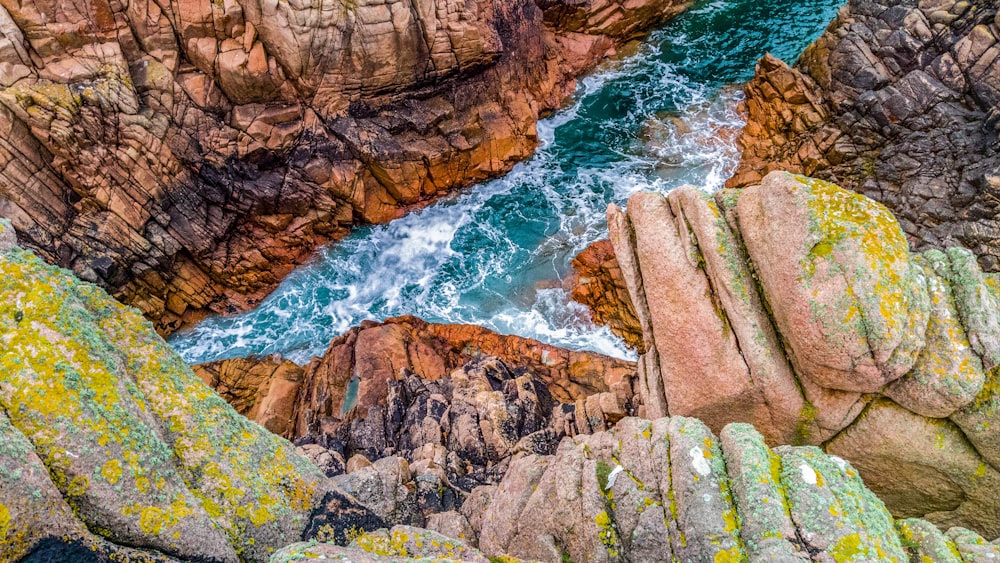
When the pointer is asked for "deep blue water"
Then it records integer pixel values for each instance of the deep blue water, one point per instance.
(655, 120)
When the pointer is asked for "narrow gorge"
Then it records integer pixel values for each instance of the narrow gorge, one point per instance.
(531, 280)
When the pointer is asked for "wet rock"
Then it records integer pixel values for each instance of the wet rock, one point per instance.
(897, 101)
(187, 156)
(597, 282)
(361, 368)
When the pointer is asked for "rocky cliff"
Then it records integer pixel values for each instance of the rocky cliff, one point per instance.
(898, 101)
(185, 155)
(796, 306)
(439, 409)
(360, 367)
(112, 450)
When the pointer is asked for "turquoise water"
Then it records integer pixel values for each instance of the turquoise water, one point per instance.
(658, 119)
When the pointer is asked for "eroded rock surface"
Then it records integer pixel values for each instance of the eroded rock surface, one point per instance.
(360, 368)
(185, 155)
(411, 441)
(596, 281)
(797, 306)
(898, 101)
(670, 489)
(110, 446)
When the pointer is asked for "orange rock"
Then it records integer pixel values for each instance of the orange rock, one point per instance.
(597, 282)
(353, 373)
(187, 156)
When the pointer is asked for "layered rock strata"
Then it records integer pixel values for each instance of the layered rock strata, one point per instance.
(671, 490)
(596, 281)
(796, 306)
(898, 101)
(185, 155)
(360, 366)
(111, 448)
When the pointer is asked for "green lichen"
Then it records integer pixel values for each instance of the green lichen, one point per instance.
(84, 368)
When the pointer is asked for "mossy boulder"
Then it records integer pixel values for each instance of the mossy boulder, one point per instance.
(401, 544)
(734, 499)
(948, 374)
(836, 268)
(139, 448)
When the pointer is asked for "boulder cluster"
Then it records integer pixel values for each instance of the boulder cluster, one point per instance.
(796, 306)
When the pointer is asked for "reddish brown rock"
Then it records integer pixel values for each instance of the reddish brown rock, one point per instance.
(262, 389)
(187, 155)
(597, 282)
(368, 356)
(355, 371)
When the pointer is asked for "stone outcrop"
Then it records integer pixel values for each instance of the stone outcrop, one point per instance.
(111, 448)
(596, 281)
(360, 368)
(897, 101)
(796, 306)
(186, 155)
(670, 489)
(398, 544)
(408, 431)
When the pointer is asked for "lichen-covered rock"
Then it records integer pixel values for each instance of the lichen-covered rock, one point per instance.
(921, 467)
(948, 374)
(896, 100)
(755, 481)
(924, 542)
(980, 419)
(142, 451)
(8, 236)
(836, 268)
(972, 546)
(400, 544)
(827, 312)
(833, 511)
(670, 490)
(977, 305)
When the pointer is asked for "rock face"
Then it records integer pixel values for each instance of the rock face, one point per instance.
(596, 281)
(898, 101)
(796, 306)
(185, 155)
(669, 489)
(111, 448)
(360, 368)
(382, 393)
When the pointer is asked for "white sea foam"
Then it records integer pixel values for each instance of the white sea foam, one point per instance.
(494, 254)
